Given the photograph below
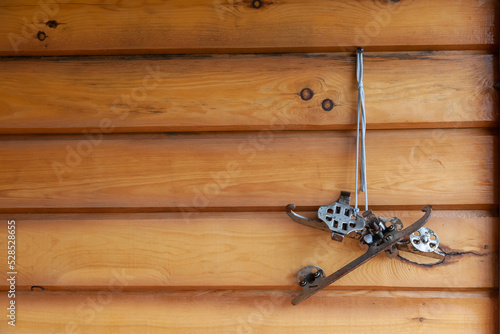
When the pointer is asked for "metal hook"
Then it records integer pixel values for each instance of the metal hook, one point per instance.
(304, 220)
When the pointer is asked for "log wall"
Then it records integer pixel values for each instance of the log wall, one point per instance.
(148, 150)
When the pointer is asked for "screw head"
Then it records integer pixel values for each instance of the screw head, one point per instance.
(41, 36)
(327, 105)
(306, 94)
(256, 4)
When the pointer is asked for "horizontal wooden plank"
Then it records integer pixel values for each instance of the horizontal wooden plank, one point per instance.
(246, 92)
(251, 312)
(87, 27)
(498, 298)
(261, 170)
(234, 250)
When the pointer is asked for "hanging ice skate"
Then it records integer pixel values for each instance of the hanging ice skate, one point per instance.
(375, 234)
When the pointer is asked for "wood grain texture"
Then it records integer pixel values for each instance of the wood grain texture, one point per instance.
(261, 170)
(235, 250)
(252, 312)
(249, 92)
(498, 299)
(154, 26)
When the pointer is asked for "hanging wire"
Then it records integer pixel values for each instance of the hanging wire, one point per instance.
(360, 138)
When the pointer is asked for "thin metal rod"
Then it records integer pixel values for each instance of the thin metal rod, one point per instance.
(361, 135)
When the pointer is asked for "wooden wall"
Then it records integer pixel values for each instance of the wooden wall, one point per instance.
(149, 148)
